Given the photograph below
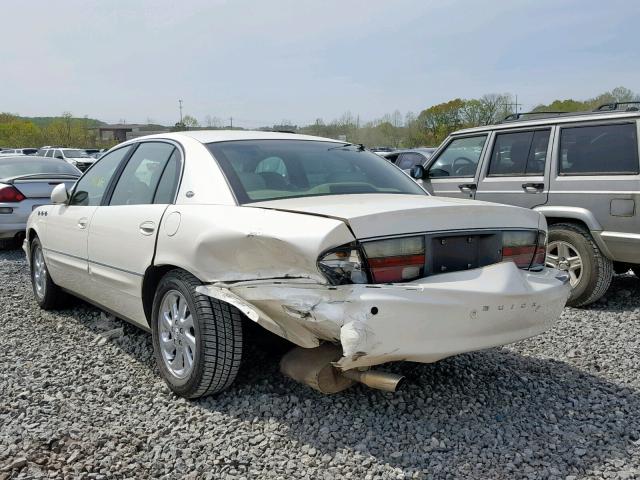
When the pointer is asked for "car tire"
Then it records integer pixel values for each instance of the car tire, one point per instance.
(596, 270)
(48, 295)
(197, 340)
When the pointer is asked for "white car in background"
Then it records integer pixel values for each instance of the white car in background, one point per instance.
(319, 241)
(75, 156)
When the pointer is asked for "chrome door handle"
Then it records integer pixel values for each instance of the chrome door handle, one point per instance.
(82, 223)
(533, 187)
(467, 187)
(147, 228)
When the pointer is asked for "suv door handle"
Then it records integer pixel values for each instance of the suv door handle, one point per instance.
(467, 187)
(533, 187)
(147, 228)
(82, 223)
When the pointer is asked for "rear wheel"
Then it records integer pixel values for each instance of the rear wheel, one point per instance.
(48, 295)
(572, 249)
(197, 340)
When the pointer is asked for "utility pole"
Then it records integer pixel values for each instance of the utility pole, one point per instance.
(180, 103)
(516, 106)
(231, 121)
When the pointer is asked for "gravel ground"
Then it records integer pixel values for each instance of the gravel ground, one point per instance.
(74, 404)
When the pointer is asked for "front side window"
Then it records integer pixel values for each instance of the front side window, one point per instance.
(137, 184)
(460, 158)
(519, 153)
(91, 187)
(599, 150)
(260, 170)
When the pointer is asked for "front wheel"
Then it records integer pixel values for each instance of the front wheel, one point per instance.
(572, 249)
(197, 340)
(48, 295)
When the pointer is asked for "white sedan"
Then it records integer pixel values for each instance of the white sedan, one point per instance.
(319, 241)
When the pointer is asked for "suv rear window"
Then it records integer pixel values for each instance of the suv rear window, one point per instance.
(519, 153)
(599, 150)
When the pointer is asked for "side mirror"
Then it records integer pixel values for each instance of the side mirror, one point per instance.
(418, 172)
(59, 194)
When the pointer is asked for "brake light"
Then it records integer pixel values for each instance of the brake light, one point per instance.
(396, 259)
(11, 194)
(526, 248)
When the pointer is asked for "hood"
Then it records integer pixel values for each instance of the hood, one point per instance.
(376, 215)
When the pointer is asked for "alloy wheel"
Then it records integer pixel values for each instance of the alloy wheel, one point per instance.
(564, 256)
(177, 334)
(39, 273)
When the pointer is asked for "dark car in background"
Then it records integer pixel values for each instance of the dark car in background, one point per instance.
(408, 158)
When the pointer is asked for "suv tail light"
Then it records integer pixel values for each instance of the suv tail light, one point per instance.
(10, 194)
(526, 248)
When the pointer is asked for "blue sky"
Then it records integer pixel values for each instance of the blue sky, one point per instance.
(265, 61)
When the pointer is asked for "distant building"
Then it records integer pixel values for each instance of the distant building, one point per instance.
(120, 132)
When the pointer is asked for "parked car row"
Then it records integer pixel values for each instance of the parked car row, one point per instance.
(581, 171)
(79, 157)
(322, 242)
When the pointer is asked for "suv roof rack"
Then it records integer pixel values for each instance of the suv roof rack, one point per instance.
(543, 114)
(608, 107)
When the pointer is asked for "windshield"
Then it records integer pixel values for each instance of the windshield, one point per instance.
(14, 168)
(271, 169)
(74, 153)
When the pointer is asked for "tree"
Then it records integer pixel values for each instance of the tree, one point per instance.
(190, 121)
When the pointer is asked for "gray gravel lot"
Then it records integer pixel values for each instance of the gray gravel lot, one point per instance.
(562, 405)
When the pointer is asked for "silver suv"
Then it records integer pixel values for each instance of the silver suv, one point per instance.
(581, 170)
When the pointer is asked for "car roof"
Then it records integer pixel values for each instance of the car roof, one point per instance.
(210, 136)
(553, 120)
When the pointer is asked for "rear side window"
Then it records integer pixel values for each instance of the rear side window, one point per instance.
(168, 184)
(139, 179)
(460, 158)
(599, 150)
(519, 153)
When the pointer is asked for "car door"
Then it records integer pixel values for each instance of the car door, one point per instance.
(598, 172)
(123, 231)
(516, 172)
(66, 232)
(452, 172)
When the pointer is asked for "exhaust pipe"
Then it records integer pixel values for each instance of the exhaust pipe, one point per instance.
(314, 367)
(389, 382)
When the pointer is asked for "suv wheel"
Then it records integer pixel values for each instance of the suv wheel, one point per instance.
(197, 340)
(572, 249)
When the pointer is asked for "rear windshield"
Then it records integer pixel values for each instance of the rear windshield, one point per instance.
(260, 170)
(15, 168)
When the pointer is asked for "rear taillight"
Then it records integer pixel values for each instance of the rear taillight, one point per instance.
(541, 252)
(525, 248)
(395, 259)
(10, 194)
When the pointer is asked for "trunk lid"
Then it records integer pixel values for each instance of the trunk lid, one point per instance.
(41, 185)
(378, 215)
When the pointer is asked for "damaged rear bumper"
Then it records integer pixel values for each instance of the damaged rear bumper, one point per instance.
(423, 321)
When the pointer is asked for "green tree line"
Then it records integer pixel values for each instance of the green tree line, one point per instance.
(66, 131)
(432, 125)
(427, 128)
